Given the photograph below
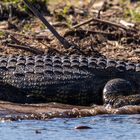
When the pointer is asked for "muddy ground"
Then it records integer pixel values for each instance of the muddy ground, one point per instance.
(16, 112)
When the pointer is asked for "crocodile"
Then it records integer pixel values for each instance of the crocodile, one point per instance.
(74, 79)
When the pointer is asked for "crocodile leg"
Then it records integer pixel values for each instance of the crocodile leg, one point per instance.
(11, 93)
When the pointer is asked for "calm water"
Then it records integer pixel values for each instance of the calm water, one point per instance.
(110, 127)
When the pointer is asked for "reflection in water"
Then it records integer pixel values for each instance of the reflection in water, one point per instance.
(110, 127)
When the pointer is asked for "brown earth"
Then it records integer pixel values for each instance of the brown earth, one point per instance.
(98, 37)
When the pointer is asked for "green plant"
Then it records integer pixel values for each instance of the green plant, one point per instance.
(1, 33)
(134, 13)
(63, 13)
(23, 7)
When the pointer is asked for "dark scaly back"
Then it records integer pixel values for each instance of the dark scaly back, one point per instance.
(68, 79)
(64, 68)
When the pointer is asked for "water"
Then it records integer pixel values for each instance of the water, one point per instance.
(110, 127)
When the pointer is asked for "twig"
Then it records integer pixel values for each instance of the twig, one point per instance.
(62, 40)
(101, 9)
(81, 31)
(14, 33)
(20, 45)
(15, 40)
(26, 48)
(99, 20)
(39, 37)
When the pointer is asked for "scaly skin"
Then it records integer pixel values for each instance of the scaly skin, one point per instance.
(71, 79)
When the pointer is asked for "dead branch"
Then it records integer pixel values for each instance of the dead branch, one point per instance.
(26, 48)
(82, 31)
(36, 37)
(62, 40)
(101, 21)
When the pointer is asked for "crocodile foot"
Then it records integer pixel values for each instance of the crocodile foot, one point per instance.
(119, 92)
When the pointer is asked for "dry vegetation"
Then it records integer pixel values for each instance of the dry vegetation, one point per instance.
(113, 31)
